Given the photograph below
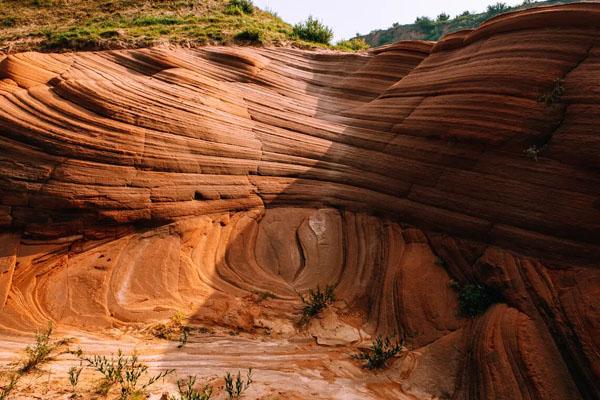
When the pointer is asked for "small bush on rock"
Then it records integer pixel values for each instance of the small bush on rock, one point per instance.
(239, 7)
(316, 301)
(250, 35)
(355, 44)
(313, 30)
(381, 351)
(474, 298)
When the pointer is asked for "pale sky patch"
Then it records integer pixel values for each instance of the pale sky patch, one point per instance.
(349, 17)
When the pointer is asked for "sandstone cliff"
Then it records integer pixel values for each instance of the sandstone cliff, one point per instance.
(135, 183)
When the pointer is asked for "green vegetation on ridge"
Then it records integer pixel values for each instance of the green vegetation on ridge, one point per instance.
(426, 28)
(72, 25)
(56, 25)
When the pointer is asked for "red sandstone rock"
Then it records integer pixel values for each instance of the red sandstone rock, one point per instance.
(135, 183)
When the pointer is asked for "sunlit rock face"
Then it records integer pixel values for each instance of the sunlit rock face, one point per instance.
(136, 183)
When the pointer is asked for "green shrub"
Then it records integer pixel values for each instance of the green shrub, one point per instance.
(239, 7)
(313, 30)
(354, 44)
(235, 389)
(124, 371)
(40, 352)
(188, 392)
(498, 8)
(316, 301)
(474, 298)
(381, 351)
(174, 329)
(443, 17)
(425, 24)
(249, 35)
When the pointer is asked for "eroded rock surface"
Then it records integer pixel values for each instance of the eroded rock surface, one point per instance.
(136, 183)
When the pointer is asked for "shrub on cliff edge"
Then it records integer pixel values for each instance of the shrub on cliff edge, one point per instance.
(313, 30)
(474, 298)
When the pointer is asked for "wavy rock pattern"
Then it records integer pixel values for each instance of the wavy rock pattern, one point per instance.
(134, 183)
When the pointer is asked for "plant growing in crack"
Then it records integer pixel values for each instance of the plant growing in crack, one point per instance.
(316, 301)
(550, 99)
(382, 350)
(533, 151)
(555, 94)
(474, 298)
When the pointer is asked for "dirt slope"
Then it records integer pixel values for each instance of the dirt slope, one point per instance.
(135, 183)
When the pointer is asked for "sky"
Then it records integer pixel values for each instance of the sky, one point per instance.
(349, 17)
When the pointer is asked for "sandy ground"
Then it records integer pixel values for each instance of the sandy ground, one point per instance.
(290, 368)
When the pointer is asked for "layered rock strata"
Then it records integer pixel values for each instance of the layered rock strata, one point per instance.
(135, 183)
